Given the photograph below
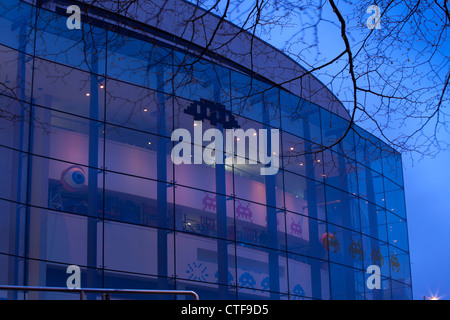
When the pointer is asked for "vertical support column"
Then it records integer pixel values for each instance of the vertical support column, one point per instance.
(93, 203)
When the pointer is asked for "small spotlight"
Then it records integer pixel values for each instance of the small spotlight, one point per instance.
(292, 148)
(102, 87)
(88, 94)
(145, 110)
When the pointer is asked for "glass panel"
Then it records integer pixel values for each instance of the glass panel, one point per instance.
(255, 99)
(302, 157)
(333, 130)
(14, 117)
(342, 209)
(262, 269)
(69, 138)
(370, 186)
(340, 172)
(300, 117)
(137, 153)
(139, 61)
(400, 265)
(11, 275)
(16, 19)
(368, 150)
(395, 198)
(204, 213)
(196, 79)
(310, 242)
(260, 225)
(392, 165)
(12, 229)
(205, 259)
(81, 49)
(401, 291)
(66, 187)
(132, 248)
(304, 196)
(63, 237)
(344, 246)
(346, 283)
(379, 294)
(15, 75)
(373, 220)
(140, 201)
(67, 89)
(308, 278)
(13, 170)
(397, 231)
(138, 108)
(376, 253)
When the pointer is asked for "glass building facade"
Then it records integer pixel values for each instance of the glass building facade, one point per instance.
(86, 118)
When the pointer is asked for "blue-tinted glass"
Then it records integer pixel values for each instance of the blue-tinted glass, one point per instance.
(373, 220)
(12, 228)
(12, 275)
(13, 170)
(302, 157)
(123, 280)
(370, 185)
(368, 150)
(66, 187)
(138, 153)
(384, 293)
(207, 291)
(138, 108)
(16, 19)
(304, 195)
(340, 172)
(254, 99)
(15, 75)
(204, 213)
(204, 259)
(376, 253)
(344, 246)
(140, 201)
(197, 79)
(14, 123)
(397, 231)
(67, 89)
(300, 117)
(260, 225)
(132, 248)
(346, 283)
(308, 278)
(336, 133)
(63, 237)
(140, 62)
(51, 274)
(401, 291)
(400, 265)
(65, 137)
(261, 269)
(342, 208)
(392, 165)
(84, 48)
(395, 198)
(311, 242)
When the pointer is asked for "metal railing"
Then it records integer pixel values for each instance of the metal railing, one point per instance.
(106, 293)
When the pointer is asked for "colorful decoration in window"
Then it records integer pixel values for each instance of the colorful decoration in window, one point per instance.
(395, 264)
(355, 249)
(73, 178)
(212, 111)
(329, 240)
